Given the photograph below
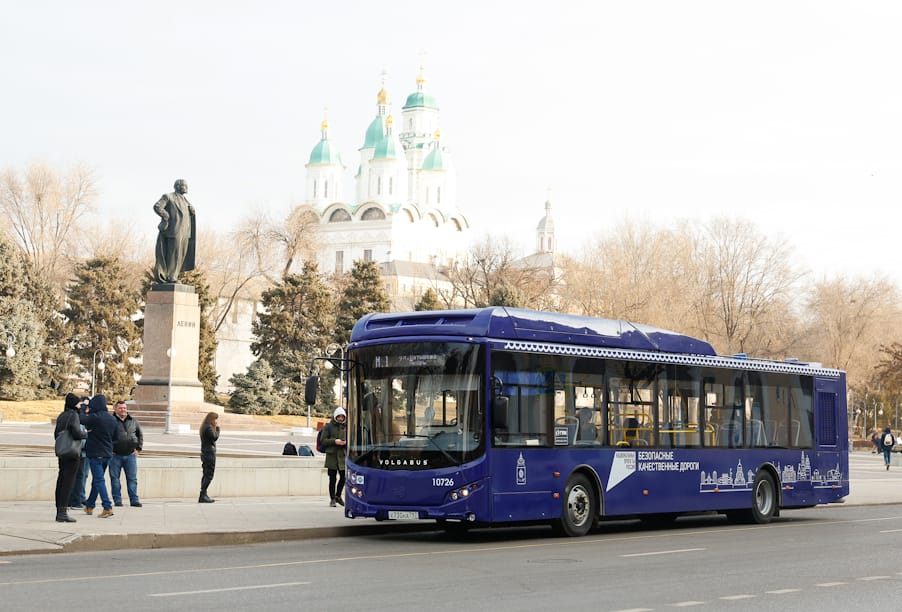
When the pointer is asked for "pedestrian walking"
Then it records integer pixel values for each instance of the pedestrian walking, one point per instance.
(101, 427)
(887, 442)
(209, 434)
(334, 441)
(67, 420)
(128, 443)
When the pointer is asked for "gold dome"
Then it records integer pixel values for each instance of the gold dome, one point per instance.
(382, 97)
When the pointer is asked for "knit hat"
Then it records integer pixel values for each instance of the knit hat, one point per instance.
(338, 412)
(71, 401)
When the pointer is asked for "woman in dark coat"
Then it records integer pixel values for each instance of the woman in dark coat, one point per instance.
(209, 433)
(67, 420)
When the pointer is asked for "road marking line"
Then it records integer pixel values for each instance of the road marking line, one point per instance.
(890, 530)
(635, 610)
(663, 552)
(737, 597)
(686, 604)
(866, 578)
(244, 588)
(830, 584)
(782, 591)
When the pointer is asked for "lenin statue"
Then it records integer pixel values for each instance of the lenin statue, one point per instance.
(175, 242)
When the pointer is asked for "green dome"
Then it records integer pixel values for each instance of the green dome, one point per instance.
(325, 153)
(375, 132)
(434, 160)
(420, 99)
(388, 148)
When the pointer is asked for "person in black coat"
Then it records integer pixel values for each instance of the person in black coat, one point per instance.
(77, 497)
(209, 433)
(67, 420)
(99, 449)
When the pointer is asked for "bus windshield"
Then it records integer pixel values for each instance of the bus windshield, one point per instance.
(416, 405)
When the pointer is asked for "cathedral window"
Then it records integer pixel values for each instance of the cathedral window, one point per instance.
(339, 261)
(314, 189)
(326, 189)
(391, 184)
(379, 185)
(367, 255)
(372, 214)
(339, 216)
(438, 195)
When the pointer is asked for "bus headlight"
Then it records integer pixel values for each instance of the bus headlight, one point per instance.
(463, 492)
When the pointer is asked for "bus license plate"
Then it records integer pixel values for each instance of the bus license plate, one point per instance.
(403, 515)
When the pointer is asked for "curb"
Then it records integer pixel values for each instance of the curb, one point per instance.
(146, 541)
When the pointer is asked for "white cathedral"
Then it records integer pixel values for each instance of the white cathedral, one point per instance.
(403, 214)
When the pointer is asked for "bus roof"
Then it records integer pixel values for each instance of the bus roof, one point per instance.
(504, 323)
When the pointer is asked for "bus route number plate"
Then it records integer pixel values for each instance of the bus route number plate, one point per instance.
(403, 515)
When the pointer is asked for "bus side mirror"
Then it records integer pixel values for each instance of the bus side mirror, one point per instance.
(310, 389)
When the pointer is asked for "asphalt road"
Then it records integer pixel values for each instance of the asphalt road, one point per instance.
(830, 558)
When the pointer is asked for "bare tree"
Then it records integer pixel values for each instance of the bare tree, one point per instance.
(43, 207)
(747, 278)
(492, 271)
(850, 319)
(635, 272)
(297, 236)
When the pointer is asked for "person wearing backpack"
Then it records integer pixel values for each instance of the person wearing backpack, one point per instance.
(887, 442)
(333, 438)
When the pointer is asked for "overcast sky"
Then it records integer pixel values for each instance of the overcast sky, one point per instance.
(785, 113)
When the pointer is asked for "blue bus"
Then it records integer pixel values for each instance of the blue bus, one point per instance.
(498, 415)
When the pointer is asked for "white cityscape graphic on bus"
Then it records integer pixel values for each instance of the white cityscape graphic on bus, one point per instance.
(789, 474)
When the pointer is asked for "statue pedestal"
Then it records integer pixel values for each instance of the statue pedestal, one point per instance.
(171, 346)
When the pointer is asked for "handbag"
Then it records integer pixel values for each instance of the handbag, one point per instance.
(66, 446)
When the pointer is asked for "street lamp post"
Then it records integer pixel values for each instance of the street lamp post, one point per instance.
(96, 366)
(341, 356)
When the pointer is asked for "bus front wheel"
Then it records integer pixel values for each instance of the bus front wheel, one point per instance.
(578, 512)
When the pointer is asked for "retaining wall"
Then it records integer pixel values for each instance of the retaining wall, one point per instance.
(34, 478)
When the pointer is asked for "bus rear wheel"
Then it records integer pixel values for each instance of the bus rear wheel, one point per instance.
(578, 512)
(764, 498)
(764, 502)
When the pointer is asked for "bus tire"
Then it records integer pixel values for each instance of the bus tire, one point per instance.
(578, 511)
(764, 498)
(764, 502)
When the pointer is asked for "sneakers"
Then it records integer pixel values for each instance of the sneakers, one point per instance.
(332, 503)
(136, 505)
(106, 513)
(89, 510)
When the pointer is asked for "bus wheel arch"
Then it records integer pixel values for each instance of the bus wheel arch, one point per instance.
(579, 504)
